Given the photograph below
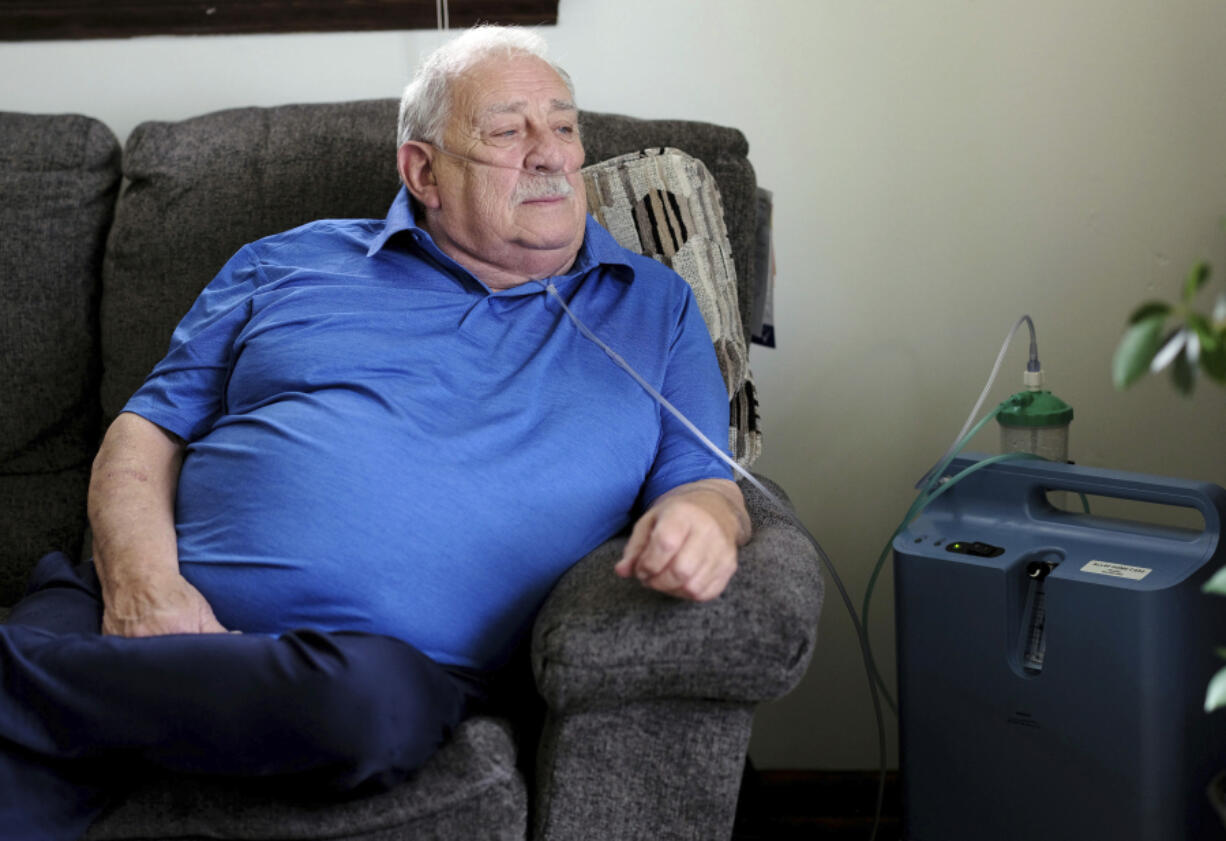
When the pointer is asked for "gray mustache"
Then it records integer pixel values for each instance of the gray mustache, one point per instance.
(541, 187)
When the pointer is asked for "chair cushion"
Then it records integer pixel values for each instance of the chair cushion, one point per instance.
(665, 204)
(469, 789)
(199, 189)
(58, 178)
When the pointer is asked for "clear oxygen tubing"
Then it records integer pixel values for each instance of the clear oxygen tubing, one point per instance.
(522, 170)
(1032, 364)
(787, 512)
(933, 477)
(927, 495)
(544, 183)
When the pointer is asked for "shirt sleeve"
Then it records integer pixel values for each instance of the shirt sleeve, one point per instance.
(185, 392)
(693, 384)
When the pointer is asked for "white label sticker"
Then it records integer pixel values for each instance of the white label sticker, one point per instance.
(1116, 570)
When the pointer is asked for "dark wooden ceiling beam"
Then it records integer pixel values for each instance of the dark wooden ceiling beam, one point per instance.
(78, 19)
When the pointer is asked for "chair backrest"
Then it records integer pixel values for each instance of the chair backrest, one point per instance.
(201, 188)
(59, 175)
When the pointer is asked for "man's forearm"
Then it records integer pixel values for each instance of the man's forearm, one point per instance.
(131, 508)
(131, 503)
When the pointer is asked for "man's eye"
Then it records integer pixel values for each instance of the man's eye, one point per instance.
(567, 131)
(502, 136)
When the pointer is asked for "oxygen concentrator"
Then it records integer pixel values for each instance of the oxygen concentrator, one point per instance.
(1052, 665)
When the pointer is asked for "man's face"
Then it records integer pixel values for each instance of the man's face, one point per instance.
(521, 208)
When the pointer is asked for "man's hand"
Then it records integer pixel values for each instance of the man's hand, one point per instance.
(172, 606)
(685, 544)
(131, 508)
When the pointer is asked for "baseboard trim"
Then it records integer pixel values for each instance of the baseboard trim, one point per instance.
(785, 804)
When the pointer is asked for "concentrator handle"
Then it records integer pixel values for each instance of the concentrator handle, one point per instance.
(1035, 477)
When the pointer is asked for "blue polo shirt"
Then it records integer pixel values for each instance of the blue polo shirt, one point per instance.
(378, 442)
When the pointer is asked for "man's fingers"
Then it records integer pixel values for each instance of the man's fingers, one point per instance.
(162, 626)
(212, 626)
(698, 563)
(639, 536)
(717, 581)
(683, 567)
(662, 548)
(699, 573)
(176, 609)
(653, 542)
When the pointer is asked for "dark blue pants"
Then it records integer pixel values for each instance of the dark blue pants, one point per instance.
(82, 715)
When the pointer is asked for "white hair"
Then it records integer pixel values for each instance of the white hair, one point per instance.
(425, 106)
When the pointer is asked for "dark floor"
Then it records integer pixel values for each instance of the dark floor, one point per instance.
(809, 805)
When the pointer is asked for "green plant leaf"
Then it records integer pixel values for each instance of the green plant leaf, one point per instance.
(1149, 309)
(1212, 346)
(1136, 350)
(1213, 362)
(1183, 374)
(1198, 322)
(1216, 584)
(1169, 348)
(1215, 695)
(1197, 278)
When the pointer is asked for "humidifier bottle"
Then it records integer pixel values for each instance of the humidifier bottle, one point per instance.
(1035, 421)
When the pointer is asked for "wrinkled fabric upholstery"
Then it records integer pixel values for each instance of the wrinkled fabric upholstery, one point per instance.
(650, 700)
(58, 179)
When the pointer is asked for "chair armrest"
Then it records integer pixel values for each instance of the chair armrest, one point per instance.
(601, 639)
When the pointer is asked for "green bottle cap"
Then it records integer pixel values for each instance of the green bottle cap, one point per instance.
(1035, 408)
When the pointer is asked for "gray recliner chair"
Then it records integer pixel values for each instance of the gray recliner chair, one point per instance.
(649, 700)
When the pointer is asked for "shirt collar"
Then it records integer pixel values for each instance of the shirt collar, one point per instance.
(399, 218)
(599, 247)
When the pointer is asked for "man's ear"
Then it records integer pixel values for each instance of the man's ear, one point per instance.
(415, 163)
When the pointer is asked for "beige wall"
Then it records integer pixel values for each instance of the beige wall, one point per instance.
(939, 168)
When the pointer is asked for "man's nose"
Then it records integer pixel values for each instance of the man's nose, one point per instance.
(547, 152)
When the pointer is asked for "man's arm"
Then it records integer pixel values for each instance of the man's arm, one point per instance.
(131, 510)
(685, 544)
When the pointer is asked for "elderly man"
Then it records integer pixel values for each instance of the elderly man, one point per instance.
(372, 448)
